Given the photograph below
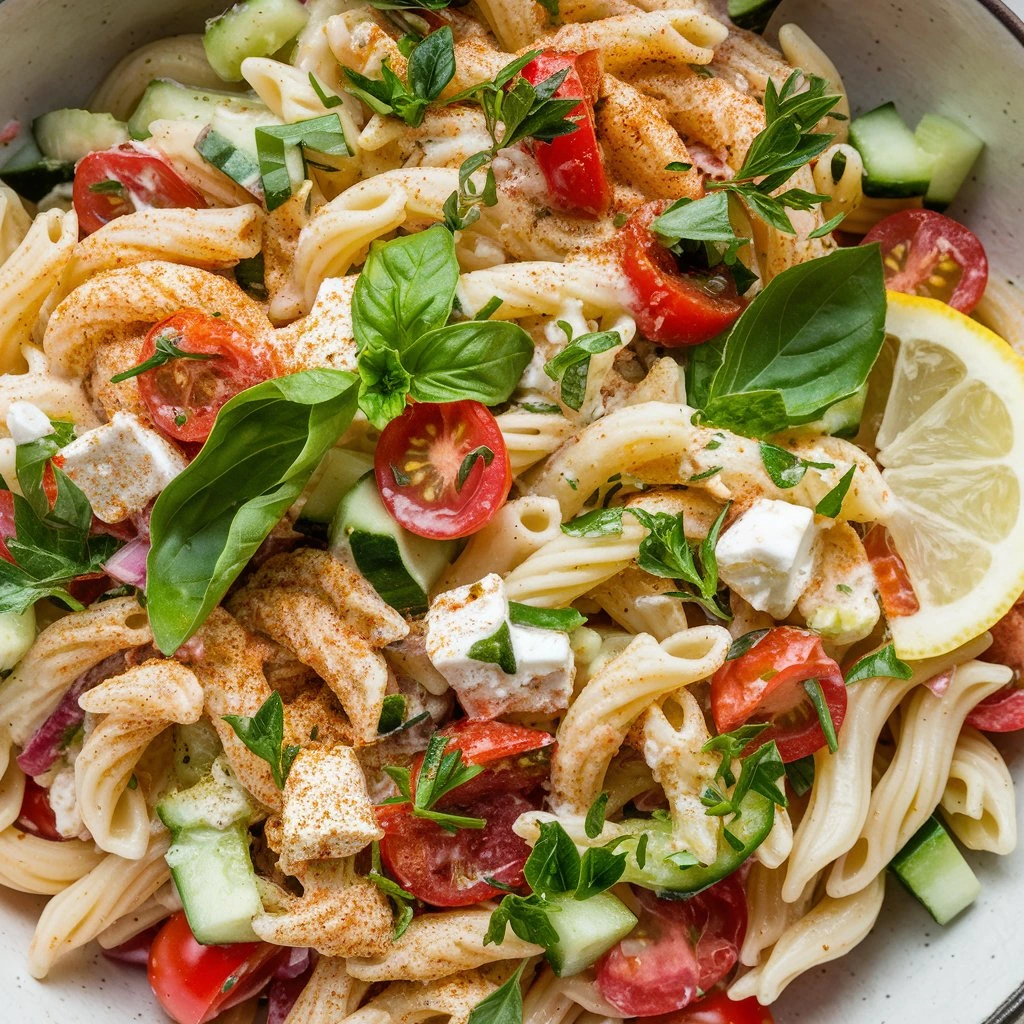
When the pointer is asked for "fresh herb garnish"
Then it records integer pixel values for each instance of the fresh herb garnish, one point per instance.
(496, 649)
(786, 469)
(800, 774)
(844, 588)
(832, 504)
(572, 364)
(541, 408)
(678, 165)
(392, 713)
(167, 349)
(882, 663)
(563, 619)
(110, 187)
(593, 826)
(602, 522)
(401, 898)
(329, 100)
(263, 734)
(744, 643)
(821, 709)
(502, 1006)
(317, 135)
(250, 276)
(480, 453)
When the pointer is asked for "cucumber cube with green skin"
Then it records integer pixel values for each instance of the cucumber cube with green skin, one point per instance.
(894, 165)
(253, 28)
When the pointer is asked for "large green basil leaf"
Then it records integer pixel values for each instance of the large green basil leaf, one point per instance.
(477, 359)
(210, 520)
(807, 341)
(406, 288)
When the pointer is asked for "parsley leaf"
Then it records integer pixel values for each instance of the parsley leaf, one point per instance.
(884, 662)
(572, 364)
(504, 1005)
(832, 504)
(602, 522)
(594, 823)
(166, 345)
(786, 469)
(496, 649)
(563, 619)
(263, 734)
(401, 898)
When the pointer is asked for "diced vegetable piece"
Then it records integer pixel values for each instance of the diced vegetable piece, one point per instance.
(253, 28)
(894, 166)
(953, 150)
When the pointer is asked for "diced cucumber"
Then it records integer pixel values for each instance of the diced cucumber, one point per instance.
(586, 930)
(68, 135)
(894, 166)
(752, 14)
(213, 873)
(217, 801)
(32, 175)
(164, 98)
(253, 28)
(196, 747)
(934, 871)
(400, 566)
(843, 418)
(953, 150)
(341, 470)
(17, 634)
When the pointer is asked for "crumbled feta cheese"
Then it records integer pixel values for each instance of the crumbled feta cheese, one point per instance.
(27, 423)
(327, 812)
(121, 466)
(766, 556)
(64, 801)
(459, 618)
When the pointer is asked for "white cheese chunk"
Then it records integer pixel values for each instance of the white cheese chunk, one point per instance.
(766, 556)
(63, 799)
(458, 619)
(121, 466)
(327, 813)
(27, 423)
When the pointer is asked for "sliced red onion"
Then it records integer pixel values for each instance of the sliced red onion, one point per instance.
(128, 564)
(135, 950)
(285, 988)
(191, 651)
(298, 961)
(940, 684)
(47, 742)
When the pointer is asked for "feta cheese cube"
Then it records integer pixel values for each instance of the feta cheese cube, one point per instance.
(121, 466)
(542, 681)
(27, 423)
(327, 813)
(766, 556)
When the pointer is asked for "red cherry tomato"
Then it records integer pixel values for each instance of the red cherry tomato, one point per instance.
(448, 870)
(677, 948)
(674, 306)
(718, 1008)
(572, 164)
(194, 983)
(765, 685)
(517, 759)
(1004, 710)
(145, 181)
(891, 578)
(928, 254)
(417, 465)
(36, 815)
(7, 527)
(183, 396)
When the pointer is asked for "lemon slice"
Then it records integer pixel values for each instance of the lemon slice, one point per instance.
(951, 444)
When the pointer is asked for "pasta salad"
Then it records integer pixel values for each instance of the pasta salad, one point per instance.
(511, 513)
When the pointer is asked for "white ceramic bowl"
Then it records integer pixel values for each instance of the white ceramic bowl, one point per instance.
(964, 58)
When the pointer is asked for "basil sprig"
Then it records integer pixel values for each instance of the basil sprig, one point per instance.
(400, 310)
(572, 365)
(263, 734)
(211, 518)
(316, 136)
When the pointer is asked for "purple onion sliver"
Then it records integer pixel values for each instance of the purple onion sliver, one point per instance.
(298, 961)
(128, 564)
(940, 684)
(282, 997)
(135, 950)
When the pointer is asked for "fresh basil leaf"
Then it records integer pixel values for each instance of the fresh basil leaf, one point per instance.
(602, 522)
(563, 619)
(221, 152)
(211, 518)
(392, 713)
(600, 869)
(504, 1005)
(882, 663)
(553, 866)
(432, 64)
(832, 504)
(263, 734)
(696, 220)
(323, 134)
(821, 709)
(480, 453)
(786, 469)
(405, 290)
(744, 643)
(805, 343)
(702, 364)
(250, 276)
(384, 384)
(496, 650)
(529, 918)
(31, 460)
(570, 366)
(593, 826)
(800, 774)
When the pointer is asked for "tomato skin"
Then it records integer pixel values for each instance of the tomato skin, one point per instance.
(7, 527)
(197, 388)
(718, 1008)
(1003, 711)
(447, 870)
(189, 979)
(891, 577)
(572, 164)
(36, 815)
(671, 306)
(148, 181)
(427, 444)
(916, 244)
(787, 656)
(677, 948)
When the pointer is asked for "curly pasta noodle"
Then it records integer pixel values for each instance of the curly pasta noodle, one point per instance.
(330, 995)
(636, 601)
(596, 724)
(157, 908)
(802, 52)
(14, 222)
(59, 399)
(514, 25)
(778, 844)
(768, 914)
(113, 889)
(438, 945)
(34, 865)
(841, 795)
(60, 654)
(136, 707)
(912, 785)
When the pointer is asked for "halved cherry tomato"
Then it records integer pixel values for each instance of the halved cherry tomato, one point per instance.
(36, 815)
(194, 983)
(765, 685)
(517, 759)
(572, 164)
(718, 1008)
(674, 306)
(1004, 710)
(926, 253)
(7, 527)
(891, 578)
(145, 181)
(184, 395)
(417, 465)
(679, 947)
(450, 870)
